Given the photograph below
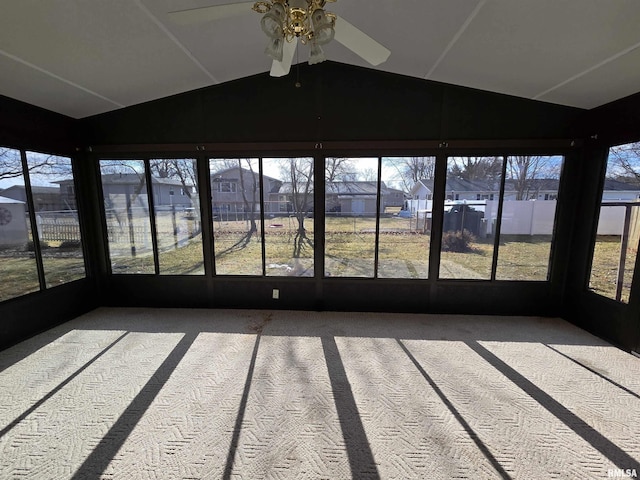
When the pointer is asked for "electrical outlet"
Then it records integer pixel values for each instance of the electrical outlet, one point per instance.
(276, 294)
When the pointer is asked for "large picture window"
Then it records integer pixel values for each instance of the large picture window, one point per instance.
(237, 225)
(176, 206)
(351, 202)
(618, 231)
(499, 228)
(406, 200)
(126, 203)
(18, 263)
(498, 216)
(528, 217)
(40, 239)
(472, 197)
(54, 204)
(289, 216)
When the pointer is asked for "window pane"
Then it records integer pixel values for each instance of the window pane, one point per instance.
(177, 216)
(351, 196)
(528, 217)
(618, 231)
(288, 216)
(472, 193)
(127, 212)
(237, 228)
(54, 202)
(17, 262)
(406, 197)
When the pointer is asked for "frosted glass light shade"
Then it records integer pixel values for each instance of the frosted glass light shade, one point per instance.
(274, 48)
(271, 22)
(323, 31)
(317, 54)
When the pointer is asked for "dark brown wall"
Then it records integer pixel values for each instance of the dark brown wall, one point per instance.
(23, 125)
(335, 102)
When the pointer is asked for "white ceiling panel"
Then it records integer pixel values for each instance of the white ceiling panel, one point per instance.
(612, 80)
(524, 48)
(230, 49)
(82, 57)
(23, 82)
(112, 48)
(427, 27)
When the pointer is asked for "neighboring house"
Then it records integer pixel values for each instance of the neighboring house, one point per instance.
(234, 190)
(616, 190)
(44, 198)
(536, 189)
(345, 198)
(282, 200)
(120, 188)
(394, 198)
(356, 198)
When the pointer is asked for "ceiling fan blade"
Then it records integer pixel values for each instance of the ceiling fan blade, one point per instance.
(360, 43)
(280, 69)
(214, 12)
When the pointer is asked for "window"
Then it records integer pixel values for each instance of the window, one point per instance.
(126, 205)
(468, 224)
(351, 198)
(45, 240)
(57, 218)
(237, 225)
(405, 227)
(378, 214)
(177, 220)
(223, 186)
(528, 222)
(289, 216)
(616, 246)
(18, 264)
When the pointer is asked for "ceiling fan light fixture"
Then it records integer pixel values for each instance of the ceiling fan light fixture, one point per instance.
(290, 20)
(271, 22)
(323, 27)
(316, 54)
(274, 48)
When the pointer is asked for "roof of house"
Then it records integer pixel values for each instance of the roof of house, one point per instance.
(611, 184)
(134, 179)
(356, 188)
(9, 200)
(540, 184)
(35, 189)
(245, 170)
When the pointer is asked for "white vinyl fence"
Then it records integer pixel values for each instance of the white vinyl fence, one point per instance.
(526, 217)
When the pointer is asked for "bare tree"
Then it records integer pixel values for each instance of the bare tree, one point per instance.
(183, 170)
(250, 187)
(410, 170)
(299, 173)
(11, 164)
(524, 170)
(369, 175)
(624, 162)
(338, 168)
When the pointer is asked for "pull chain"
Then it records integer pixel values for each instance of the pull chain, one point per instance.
(298, 84)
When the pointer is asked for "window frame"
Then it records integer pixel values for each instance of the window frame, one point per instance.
(439, 150)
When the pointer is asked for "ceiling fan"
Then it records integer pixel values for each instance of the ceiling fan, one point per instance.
(287, 22)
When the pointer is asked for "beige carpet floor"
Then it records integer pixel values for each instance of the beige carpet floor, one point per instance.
(191, 394)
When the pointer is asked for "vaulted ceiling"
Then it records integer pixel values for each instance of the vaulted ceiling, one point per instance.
(84, 57)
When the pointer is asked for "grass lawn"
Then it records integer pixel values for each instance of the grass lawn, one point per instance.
(349, 251)
(604, 271)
